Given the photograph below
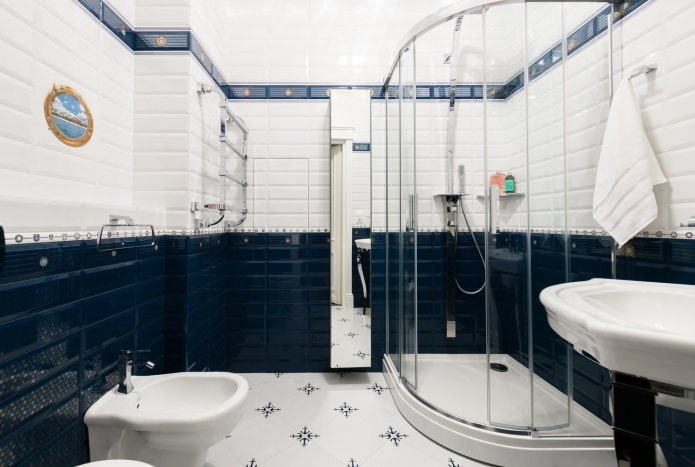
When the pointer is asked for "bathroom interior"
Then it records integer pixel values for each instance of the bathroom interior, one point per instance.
(347, 233)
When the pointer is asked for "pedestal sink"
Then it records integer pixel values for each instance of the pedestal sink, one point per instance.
(646, 329)
(364, 243)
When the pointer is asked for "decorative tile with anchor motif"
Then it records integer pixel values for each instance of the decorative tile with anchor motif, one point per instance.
(252, 463)
(304, 436)
(377, 388)
(308, 388)
(268, 410)
(360, 354)
(351, 334)
(346, 409)
(352, 463)
(452, 463)
(393, 435)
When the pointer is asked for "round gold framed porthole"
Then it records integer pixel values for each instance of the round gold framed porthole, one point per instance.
(68, 116)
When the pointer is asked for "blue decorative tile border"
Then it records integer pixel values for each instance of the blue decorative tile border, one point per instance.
(183, 40)
(361, 147)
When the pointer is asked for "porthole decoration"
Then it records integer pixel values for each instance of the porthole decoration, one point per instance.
(68, 116)
(161, 41)
(288, 92)
(246, 92)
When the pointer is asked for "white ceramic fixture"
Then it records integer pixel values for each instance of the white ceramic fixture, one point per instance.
(645, 329)
(116, 463)
(364, 243)
(166, 420)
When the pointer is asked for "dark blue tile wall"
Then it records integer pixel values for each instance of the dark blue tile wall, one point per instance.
(196, 297)
(66, 311)
(261, 302)
(278, 302)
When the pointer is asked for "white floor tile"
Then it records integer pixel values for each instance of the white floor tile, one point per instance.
(219, 456)
(260, 438)
(349, 437)
(310, 455)
(350, 419)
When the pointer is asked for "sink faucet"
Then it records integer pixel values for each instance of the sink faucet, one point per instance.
(125, 369)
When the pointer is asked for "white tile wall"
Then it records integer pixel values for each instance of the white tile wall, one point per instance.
(43, 42)
(155, 145)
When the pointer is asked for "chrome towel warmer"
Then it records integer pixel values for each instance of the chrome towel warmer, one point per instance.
(228, 121)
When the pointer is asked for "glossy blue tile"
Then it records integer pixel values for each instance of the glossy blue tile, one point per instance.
(21, 408)
(27, 333)
(25, 297)
(22, 444)
(28, 368)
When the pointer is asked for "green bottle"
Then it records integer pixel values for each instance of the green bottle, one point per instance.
(509, 184)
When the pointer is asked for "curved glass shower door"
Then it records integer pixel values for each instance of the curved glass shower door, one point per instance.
(481, 93)
(408, 235)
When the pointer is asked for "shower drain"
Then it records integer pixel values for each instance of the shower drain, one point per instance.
(498, 367)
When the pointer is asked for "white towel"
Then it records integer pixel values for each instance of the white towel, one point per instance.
(624, 201)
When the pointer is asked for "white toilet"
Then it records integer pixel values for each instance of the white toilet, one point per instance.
(116, 463)
(166, 420)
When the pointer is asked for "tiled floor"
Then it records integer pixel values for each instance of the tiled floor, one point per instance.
(325, 420)
(351, 337)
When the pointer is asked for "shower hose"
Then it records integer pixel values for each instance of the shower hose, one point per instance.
(477, 248)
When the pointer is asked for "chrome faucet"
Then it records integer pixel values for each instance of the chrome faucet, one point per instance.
(125, 369)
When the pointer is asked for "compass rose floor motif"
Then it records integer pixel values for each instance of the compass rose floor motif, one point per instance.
(267, 410)
(340, 424)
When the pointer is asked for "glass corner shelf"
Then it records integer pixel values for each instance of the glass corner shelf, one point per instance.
(505, 195)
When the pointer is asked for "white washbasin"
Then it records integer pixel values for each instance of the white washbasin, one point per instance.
(505, 260)
(645, 329)
(364, 243)
(169, 419)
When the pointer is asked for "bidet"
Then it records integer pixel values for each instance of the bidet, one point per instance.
(169, 420)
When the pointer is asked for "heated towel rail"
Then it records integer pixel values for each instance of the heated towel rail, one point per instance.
(228, 122)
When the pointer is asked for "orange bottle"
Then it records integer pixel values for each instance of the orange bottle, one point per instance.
(498, 179)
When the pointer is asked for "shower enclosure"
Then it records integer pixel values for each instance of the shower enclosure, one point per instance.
(479, 87)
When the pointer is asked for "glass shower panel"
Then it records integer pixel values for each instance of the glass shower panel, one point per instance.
(587, 103)
(408, 220)
(547, 219)
(510, 364)
(393, 223)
